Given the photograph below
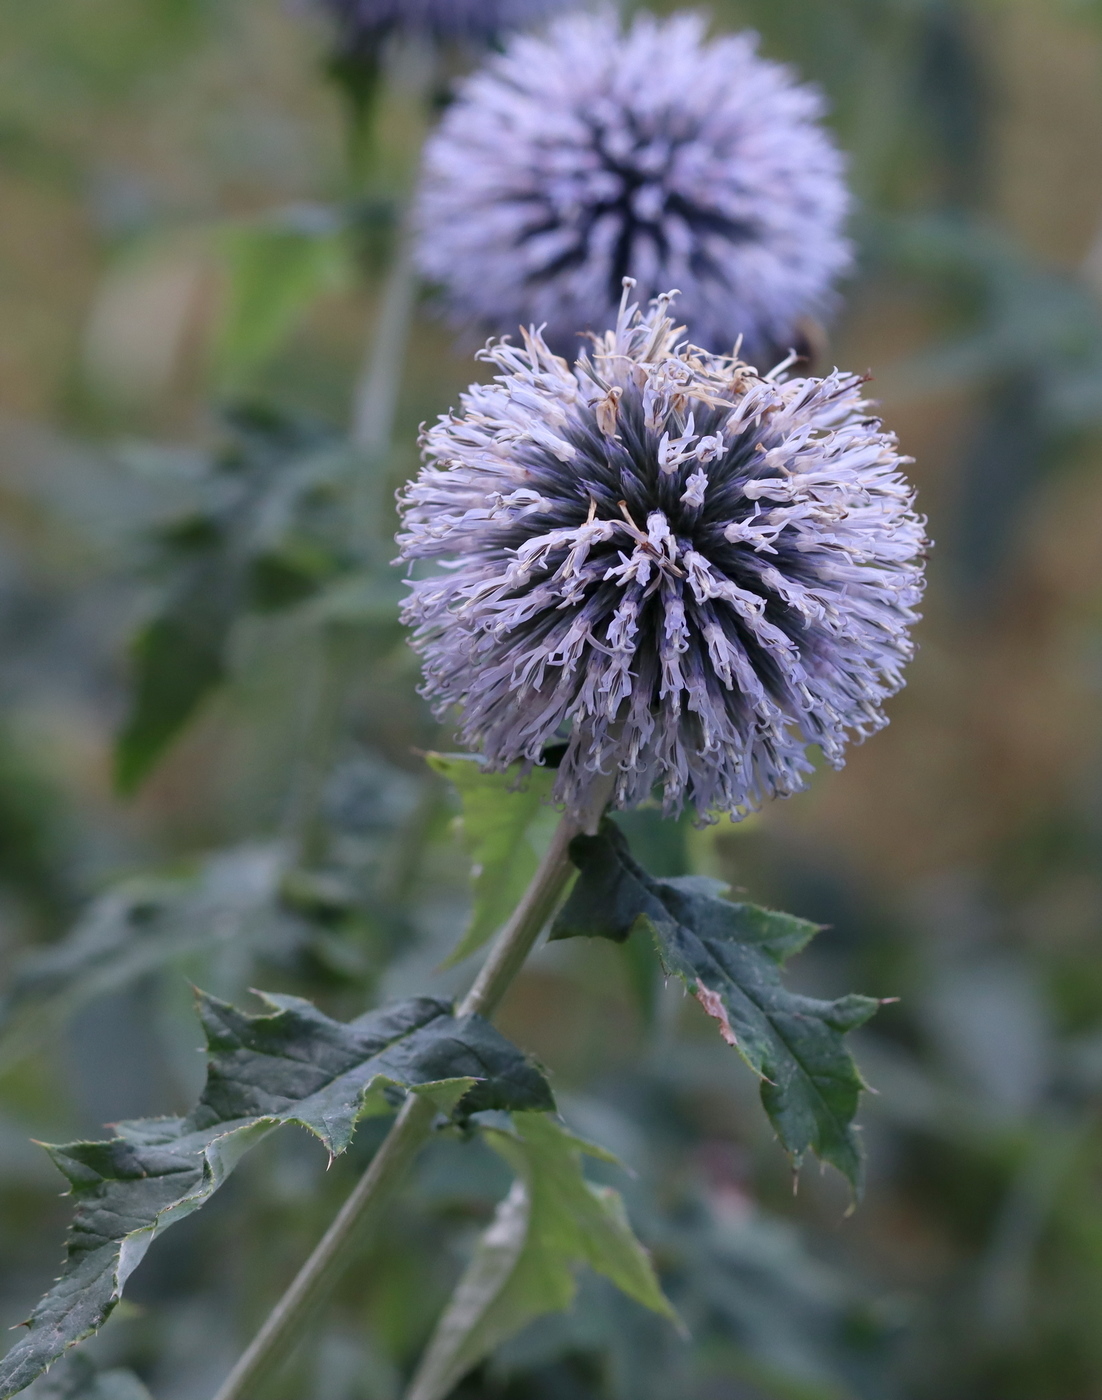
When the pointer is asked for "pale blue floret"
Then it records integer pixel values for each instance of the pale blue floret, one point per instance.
(687, 571)
(575, 159)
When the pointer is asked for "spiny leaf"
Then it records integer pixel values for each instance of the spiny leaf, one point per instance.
(730, 956)
(291, 1064)
(499, 813)
(551, 1221)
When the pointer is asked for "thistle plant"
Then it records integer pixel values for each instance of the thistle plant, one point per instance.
(687, 571)
(594, 153)
(661, 574)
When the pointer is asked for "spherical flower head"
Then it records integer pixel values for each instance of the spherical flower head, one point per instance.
(684, 570)
(363, 23)
(574, 160)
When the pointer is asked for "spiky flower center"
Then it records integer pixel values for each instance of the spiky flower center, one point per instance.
(679, 531)
(686, 569)
(623, 204)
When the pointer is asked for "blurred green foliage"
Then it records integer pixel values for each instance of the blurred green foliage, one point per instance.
(181, 224)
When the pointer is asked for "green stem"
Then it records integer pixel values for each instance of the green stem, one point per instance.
(324, 690)
(310, 1286)
(412, 1128)
(519, 935)
(373, 412)
(375, 398)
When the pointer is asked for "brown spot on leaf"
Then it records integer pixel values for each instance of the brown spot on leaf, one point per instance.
(712, 1003)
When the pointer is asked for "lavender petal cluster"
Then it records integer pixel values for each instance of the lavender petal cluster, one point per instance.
(684, 570)
(363, 23)
(573, 160)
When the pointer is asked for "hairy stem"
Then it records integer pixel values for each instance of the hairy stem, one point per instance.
(390, 1165)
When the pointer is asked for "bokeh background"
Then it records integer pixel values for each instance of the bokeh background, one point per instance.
(187, 224)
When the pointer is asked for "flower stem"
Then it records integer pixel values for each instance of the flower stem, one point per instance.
(412, 1128)
(375, 398)
(519, 935)
(321, 1271)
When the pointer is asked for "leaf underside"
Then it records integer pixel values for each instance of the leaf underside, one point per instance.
(291, 1064)
(552, 1221)
(499, 811)
(730, 957)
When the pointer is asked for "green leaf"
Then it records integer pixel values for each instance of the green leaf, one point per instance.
(500, 816)
(293, 571)
(786, 1323)
(290, 1064)
(177, 658)
(234, 896)
(551, 1221)
(730, 957)
(276, 268)
(662, 846)
(75, 1378)
(248, 547)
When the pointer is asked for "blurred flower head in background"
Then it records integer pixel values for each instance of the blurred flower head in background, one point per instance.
(686, 570)
(362, 23)
(574, 160)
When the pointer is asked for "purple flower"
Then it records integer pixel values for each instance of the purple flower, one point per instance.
(687, 571)
(363, 23)
(574, 160)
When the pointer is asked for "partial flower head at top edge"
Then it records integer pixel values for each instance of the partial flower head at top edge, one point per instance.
(686, 571)
(364, 23)
(593, 153)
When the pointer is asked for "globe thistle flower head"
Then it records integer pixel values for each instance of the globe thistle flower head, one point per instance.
(573, 160)
(362, 24)
(685, 570)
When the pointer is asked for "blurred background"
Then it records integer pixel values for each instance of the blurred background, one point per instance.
(193, 246)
